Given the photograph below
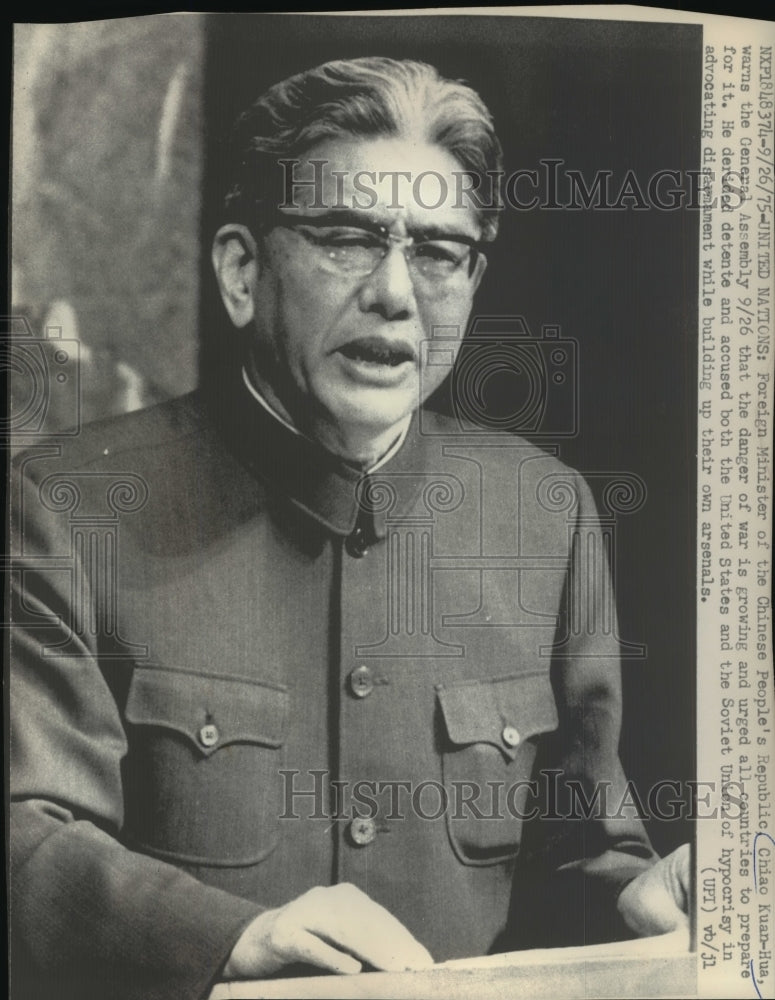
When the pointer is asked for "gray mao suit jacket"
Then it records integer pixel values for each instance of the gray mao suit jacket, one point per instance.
(241, 669)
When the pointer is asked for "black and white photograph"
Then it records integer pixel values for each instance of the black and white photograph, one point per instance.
(359, 443)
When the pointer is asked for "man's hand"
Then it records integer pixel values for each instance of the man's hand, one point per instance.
(657, 900)
(335, 928)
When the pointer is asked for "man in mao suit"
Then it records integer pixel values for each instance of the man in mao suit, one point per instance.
(304, 675)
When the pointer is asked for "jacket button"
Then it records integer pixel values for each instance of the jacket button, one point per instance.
(208, 735)
(356, 544)
(361, 682)
(363, 830)
(510, 736)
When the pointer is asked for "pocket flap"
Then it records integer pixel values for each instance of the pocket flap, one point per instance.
(211, 711)
(504, 711)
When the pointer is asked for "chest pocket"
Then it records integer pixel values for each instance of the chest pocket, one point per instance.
(202, 782)
(492, 731)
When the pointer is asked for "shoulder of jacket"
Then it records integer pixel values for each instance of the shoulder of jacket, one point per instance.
(494, 447)
(151, 432)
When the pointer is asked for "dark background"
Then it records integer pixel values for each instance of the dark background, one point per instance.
(623, 284)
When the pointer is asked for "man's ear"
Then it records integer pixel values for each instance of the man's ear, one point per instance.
(236, 268)
(479, 268)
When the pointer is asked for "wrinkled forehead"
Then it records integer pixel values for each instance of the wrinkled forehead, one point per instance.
(403, 183)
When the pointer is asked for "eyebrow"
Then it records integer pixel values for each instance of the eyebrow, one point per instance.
(349, 217)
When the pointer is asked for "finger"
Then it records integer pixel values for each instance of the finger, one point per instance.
(648, 904)
(680, 870)
(677, 940)
(659, 911)
(387, 950)
(353, 921)
(309, 948)
(397, 952)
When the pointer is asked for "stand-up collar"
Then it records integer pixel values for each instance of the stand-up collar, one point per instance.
(392, 450)
(314, 480)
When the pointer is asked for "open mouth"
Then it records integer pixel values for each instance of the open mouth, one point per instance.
(377, 351)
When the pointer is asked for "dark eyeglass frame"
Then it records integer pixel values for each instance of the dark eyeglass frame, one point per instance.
(297, 223)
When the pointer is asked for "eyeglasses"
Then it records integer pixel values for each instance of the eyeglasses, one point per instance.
(358, 252)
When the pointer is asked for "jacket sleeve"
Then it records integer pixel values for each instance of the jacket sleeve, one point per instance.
(587, 840)
(89, 918)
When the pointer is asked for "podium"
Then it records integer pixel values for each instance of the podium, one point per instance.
(648, 967)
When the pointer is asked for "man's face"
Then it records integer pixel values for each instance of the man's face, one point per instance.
(339, 348)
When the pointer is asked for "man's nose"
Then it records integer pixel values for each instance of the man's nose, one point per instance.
(388, 290)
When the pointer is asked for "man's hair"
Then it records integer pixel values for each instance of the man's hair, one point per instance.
(369, 97)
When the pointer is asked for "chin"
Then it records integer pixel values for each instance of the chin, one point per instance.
(372, 411)
(372, 421)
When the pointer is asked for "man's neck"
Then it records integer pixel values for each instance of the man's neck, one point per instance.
(361, 451)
